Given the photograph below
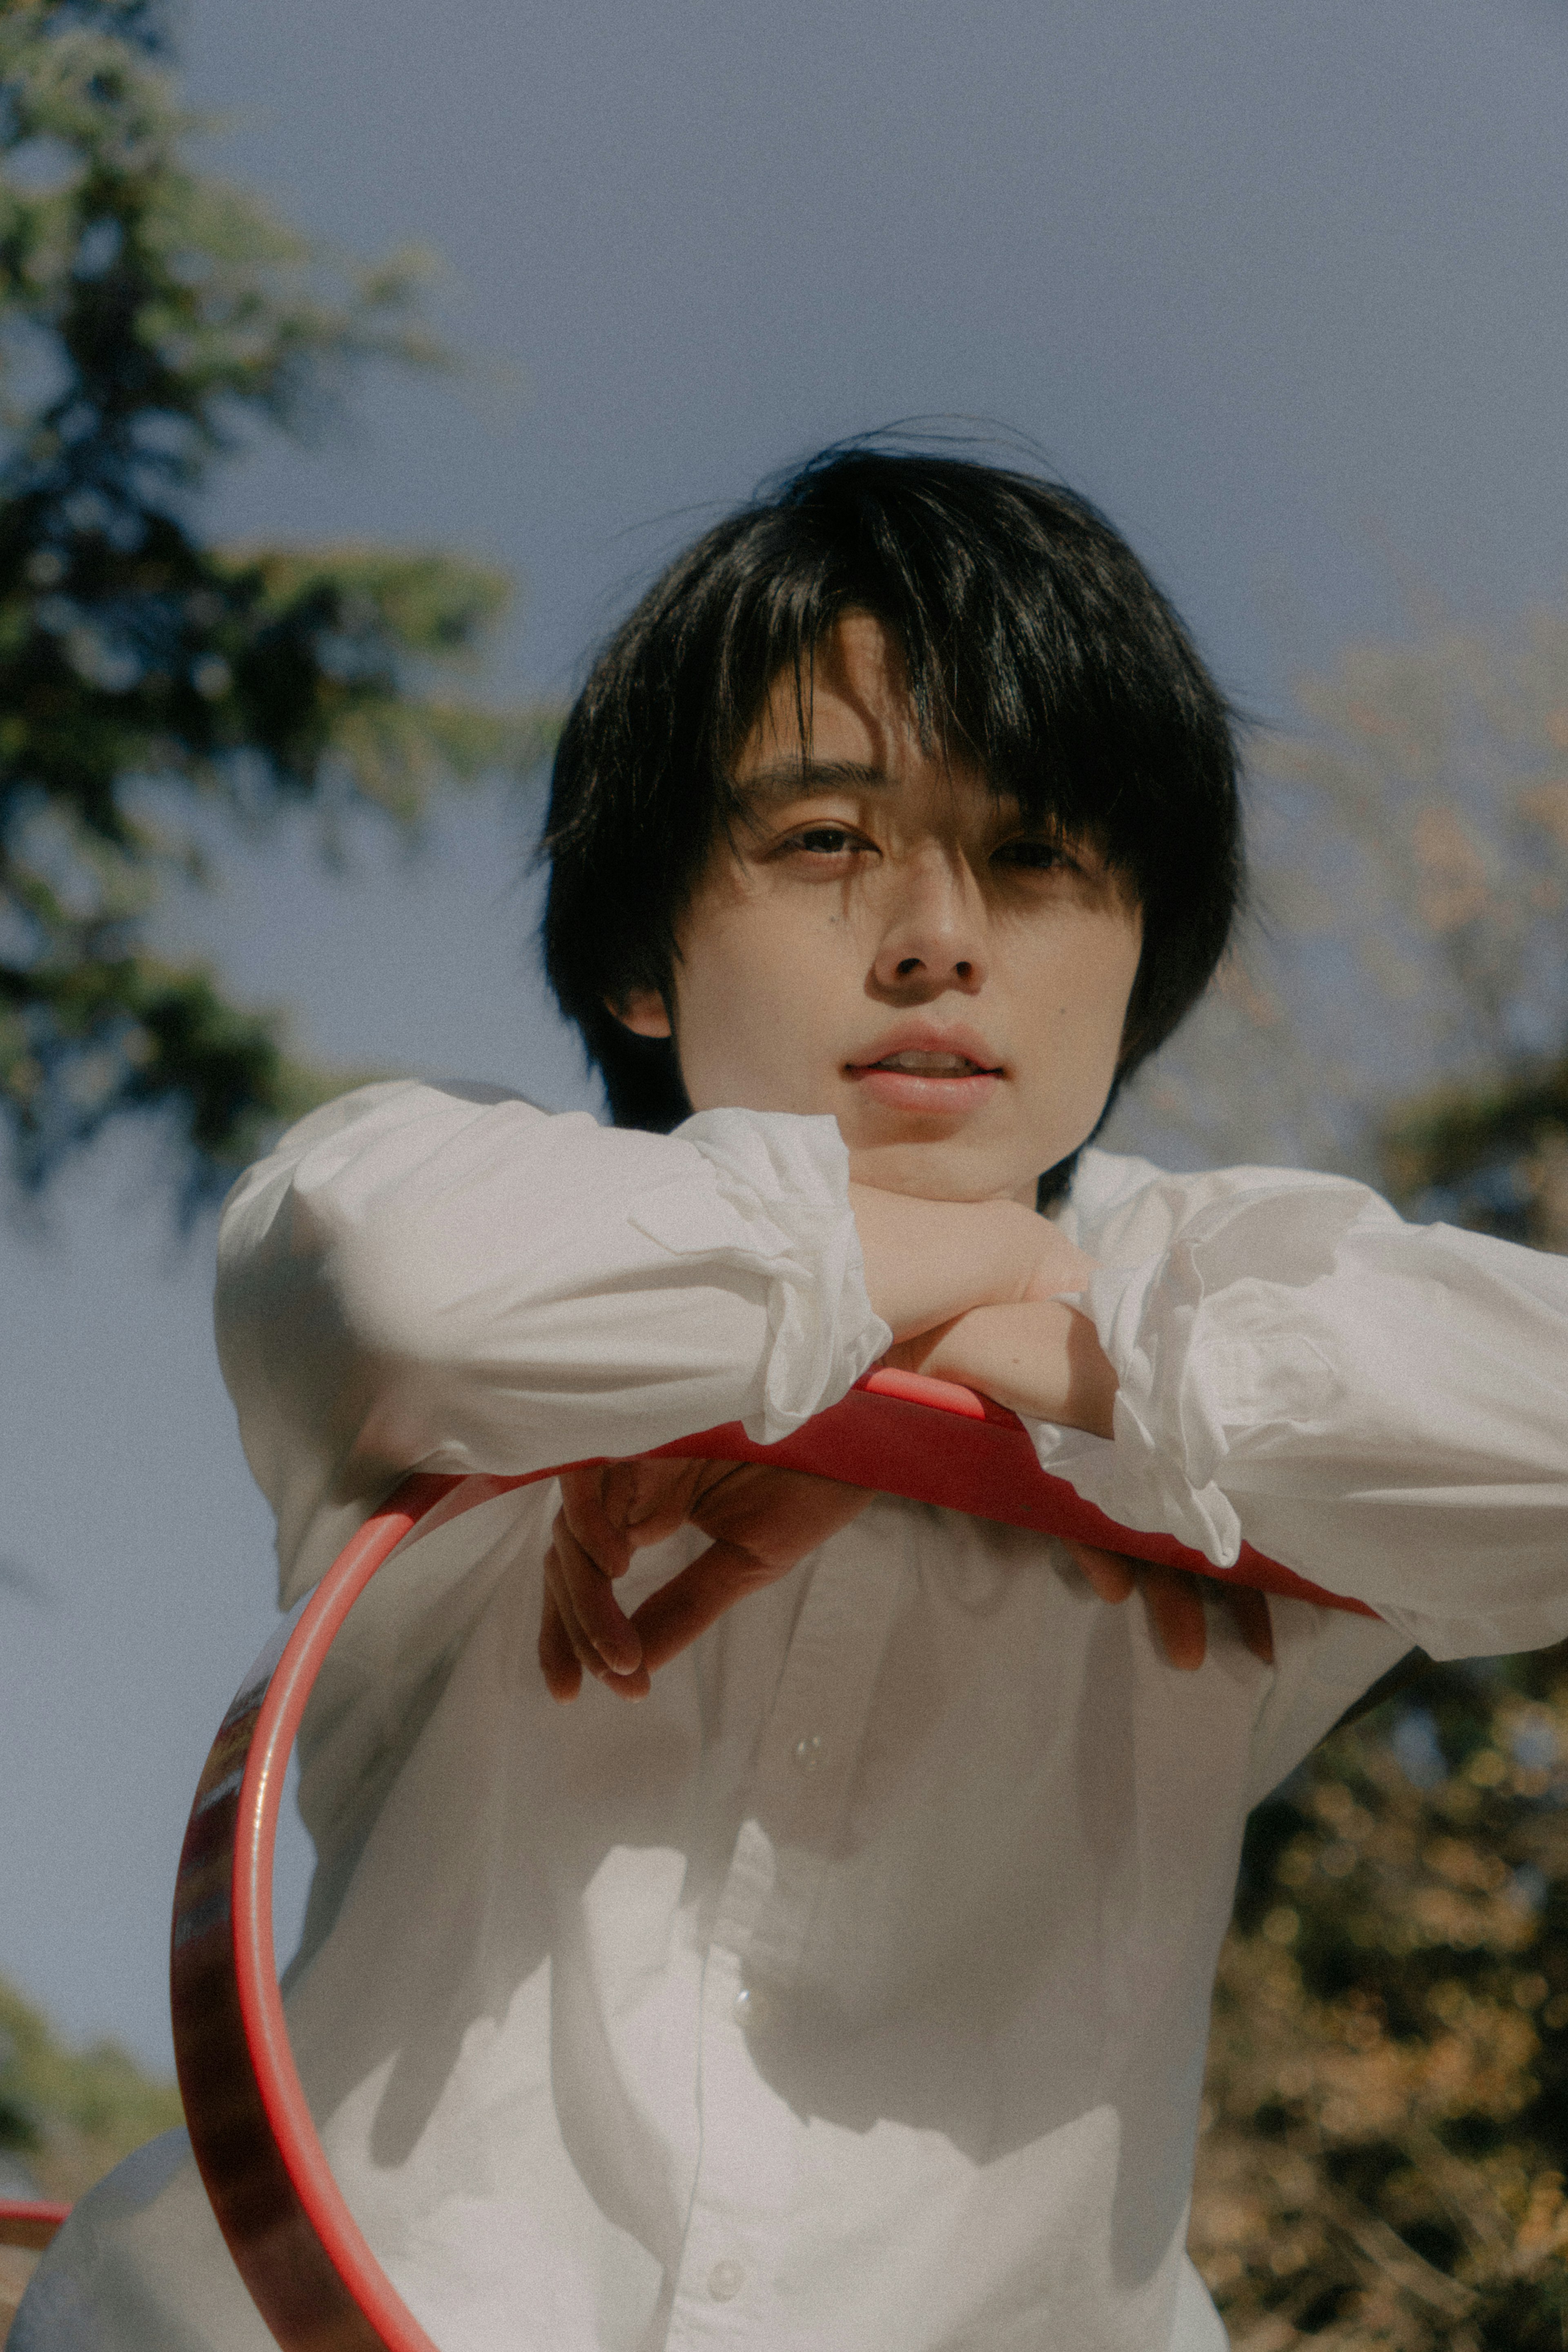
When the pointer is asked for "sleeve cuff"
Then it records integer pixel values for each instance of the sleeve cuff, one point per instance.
(780, 1183)
(1131, 1476)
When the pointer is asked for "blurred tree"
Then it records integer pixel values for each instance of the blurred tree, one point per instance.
(150, 317)
(1386, 2121)
(1492, 1157)
(71, 2115)
(1385, 2136)
(65, 2117)
(1402, 1002)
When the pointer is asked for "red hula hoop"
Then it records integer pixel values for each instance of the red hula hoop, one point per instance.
(298, 2247)
(29, 2222)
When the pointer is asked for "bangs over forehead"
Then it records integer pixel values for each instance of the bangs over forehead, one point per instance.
(1035, 647)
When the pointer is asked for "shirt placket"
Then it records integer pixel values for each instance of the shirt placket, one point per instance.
(795, 1807)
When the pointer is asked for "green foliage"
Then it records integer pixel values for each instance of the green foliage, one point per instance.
(149, 319)
(72, 2113)
(1493, 1156)
(1386, 2139)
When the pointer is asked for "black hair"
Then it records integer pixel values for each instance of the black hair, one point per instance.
(1035, 644)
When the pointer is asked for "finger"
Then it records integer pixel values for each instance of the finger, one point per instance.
(648, 1499)
(1109, 1574)
(557, 1659)
(777, 1516)
(581, 1582)
(583, 1654)
(670, 1619)
(582, 1650)
(589, 1504)
(634, 1683)
(1176, 1610)
(1250, 1612)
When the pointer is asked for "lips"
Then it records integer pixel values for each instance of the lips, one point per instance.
(936, 1073)
(922, 1049)
(932, 1065)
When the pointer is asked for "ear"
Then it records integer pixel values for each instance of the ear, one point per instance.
(641, 1010)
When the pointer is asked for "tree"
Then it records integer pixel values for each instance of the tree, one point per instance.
(1402, 1006)
(1385, 2123)
(65, 2117)
(1384, 2152)
(151, 319)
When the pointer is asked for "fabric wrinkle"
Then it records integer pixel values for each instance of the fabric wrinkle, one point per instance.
(850, 1992)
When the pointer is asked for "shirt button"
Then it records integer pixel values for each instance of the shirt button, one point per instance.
(751, 2007)
(725, 2281)
(809, 1751)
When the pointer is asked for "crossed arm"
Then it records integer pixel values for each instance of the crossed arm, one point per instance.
(972, 1292)
(442, 1279)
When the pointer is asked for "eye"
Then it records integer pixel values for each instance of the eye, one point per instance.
(1035, 853)
(825, 840)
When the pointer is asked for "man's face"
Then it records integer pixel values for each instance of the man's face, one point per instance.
(889, 942)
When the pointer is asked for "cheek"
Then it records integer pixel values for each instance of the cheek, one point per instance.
(744, 974)
(1116, 977)
(1121, 982)
(767, 959)
(1092, 968)
(745, 1006)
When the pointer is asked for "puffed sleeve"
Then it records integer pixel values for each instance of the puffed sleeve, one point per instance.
(1383, 1407)
(447, 1279)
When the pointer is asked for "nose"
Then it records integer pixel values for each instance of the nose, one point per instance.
(933, 929)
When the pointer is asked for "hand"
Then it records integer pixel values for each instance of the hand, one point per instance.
(1175, 1602)
(1039, 1356)
(762, 1521)
(928, 1261)
(972, 1292)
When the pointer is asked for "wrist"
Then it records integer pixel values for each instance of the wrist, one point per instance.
(928, 1261)
(1040, 1357)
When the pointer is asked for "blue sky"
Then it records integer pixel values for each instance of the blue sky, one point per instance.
(1283, 289)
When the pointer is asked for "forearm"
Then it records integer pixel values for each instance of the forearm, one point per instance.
(927, 1262)
(1381, 1407)
(1040, 1357)
(417, 1279)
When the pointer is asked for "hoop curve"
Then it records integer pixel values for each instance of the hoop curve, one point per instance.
(298, 2247)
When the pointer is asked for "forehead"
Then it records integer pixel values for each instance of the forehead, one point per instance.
(849, 702)
(847, 722)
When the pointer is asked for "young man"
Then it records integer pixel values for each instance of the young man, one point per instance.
(850, 1990)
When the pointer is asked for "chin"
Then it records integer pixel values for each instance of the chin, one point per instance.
(948, 1171)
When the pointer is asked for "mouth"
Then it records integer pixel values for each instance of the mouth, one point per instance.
(940, 1079)
(935, 1065)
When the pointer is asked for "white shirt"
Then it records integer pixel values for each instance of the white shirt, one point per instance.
(850, 1993)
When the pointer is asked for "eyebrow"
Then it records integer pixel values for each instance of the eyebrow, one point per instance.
(779, 781)
(793, 779)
